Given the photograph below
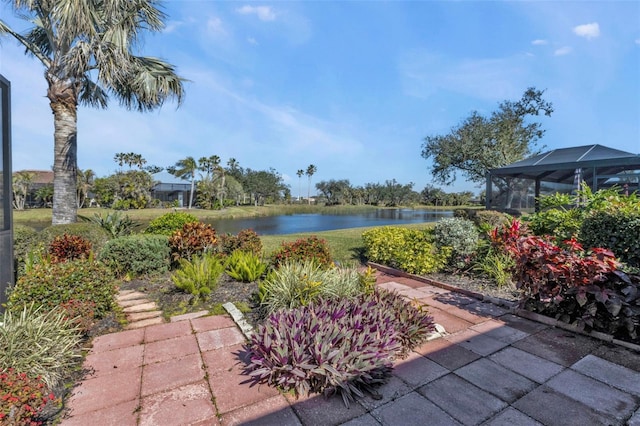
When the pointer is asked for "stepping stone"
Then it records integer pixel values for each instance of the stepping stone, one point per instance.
(139, 316)
(189, 316)
(151, 306)
(145, 323)
(130, 295)
(127, 303)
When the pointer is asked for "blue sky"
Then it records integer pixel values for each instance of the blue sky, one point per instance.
(352, 86)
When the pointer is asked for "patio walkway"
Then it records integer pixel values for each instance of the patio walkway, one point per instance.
(492, 368)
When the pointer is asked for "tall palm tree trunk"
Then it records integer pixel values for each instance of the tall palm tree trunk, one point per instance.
(65, 160)
(193, 183)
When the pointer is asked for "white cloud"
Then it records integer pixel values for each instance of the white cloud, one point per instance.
(587, 31)
(494, 79)
(252, 40)
(638, 41)
(539, 42)
(562, 51)
(215, 26)
(264, 13)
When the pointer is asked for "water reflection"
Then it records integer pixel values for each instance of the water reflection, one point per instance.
(316, 222)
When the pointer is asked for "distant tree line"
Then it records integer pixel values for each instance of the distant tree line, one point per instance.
(215, 185)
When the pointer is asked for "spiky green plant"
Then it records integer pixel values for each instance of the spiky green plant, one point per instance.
(296, 284)
(40, 342)
(115, 223)
(245, 266)
(199, 276)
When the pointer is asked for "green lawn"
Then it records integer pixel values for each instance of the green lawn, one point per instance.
(345, 244)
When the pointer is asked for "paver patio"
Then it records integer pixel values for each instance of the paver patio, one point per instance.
(493, 368)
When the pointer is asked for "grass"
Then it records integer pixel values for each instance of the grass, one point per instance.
(346, 244)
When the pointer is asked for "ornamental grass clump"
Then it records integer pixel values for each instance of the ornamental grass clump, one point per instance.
(39, 342)
(296, 284)
(330, 346)
(199, 276)
(245, 266)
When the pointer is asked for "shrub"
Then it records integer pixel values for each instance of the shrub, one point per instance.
(303, 249)
(559, 222)
(246, 240)
(50, 285)
(489, 219)
(335, 345)
(459, 234)
(582, 288)
(114, 223)
(297, 284)
(245, 266)
(137, 254)
(39, 342)
(80, 313)
(194, 238)
(168, 223)
(88, 231)
(618, 231)
(21, 398)
(497, 265)
(410, 250)
(25, 239)
(198, 276)
(69, 247)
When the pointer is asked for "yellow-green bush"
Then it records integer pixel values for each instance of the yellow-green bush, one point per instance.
(410, 250)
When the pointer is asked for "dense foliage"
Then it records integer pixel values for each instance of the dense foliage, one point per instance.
(66, 247)
(25, 239)
(39, 341)
(198, 276)
(410, 250)
(335, 345)
(137, 254)
(116, 224)
(168, 223)
(573, 285)
(245, 266)
(88, 231)
(51, 284)
(301, 250)
(619, 231)
(21, 398)
(458, 234)
(246, 240)
(296, 284)
(194, 238)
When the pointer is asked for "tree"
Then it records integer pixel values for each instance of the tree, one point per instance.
(300, 173)
(21, 184)
(311, 170)
(480, 143)
(186, 169)
(45, 194)
(263, 185)
(335, 191)
(86, 48)
(85, 182)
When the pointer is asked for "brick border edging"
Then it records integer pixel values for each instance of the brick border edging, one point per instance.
(512, 306)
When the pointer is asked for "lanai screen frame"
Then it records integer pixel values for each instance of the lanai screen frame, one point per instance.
(597, 173)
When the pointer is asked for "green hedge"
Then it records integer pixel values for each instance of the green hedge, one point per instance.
(410, 250)
(137, 254)
(617, 231)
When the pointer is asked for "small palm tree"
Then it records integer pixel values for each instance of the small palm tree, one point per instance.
(86, 48)
(311, 170)
(85, 182)
(186, 169)
(21, 184)
(300, 173)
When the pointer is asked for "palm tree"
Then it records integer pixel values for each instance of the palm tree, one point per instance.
(86, 48)
(186, 169)
(310, 172)
(300, 173)
(21, 183)
(85, 182)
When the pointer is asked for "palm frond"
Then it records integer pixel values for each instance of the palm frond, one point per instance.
(148, 83)
(38, 36)
(30, 47)
(92, 95)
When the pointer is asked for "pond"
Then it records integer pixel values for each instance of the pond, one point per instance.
(316, 222)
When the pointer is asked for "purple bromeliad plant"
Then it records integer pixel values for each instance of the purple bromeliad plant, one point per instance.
(336, 345)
